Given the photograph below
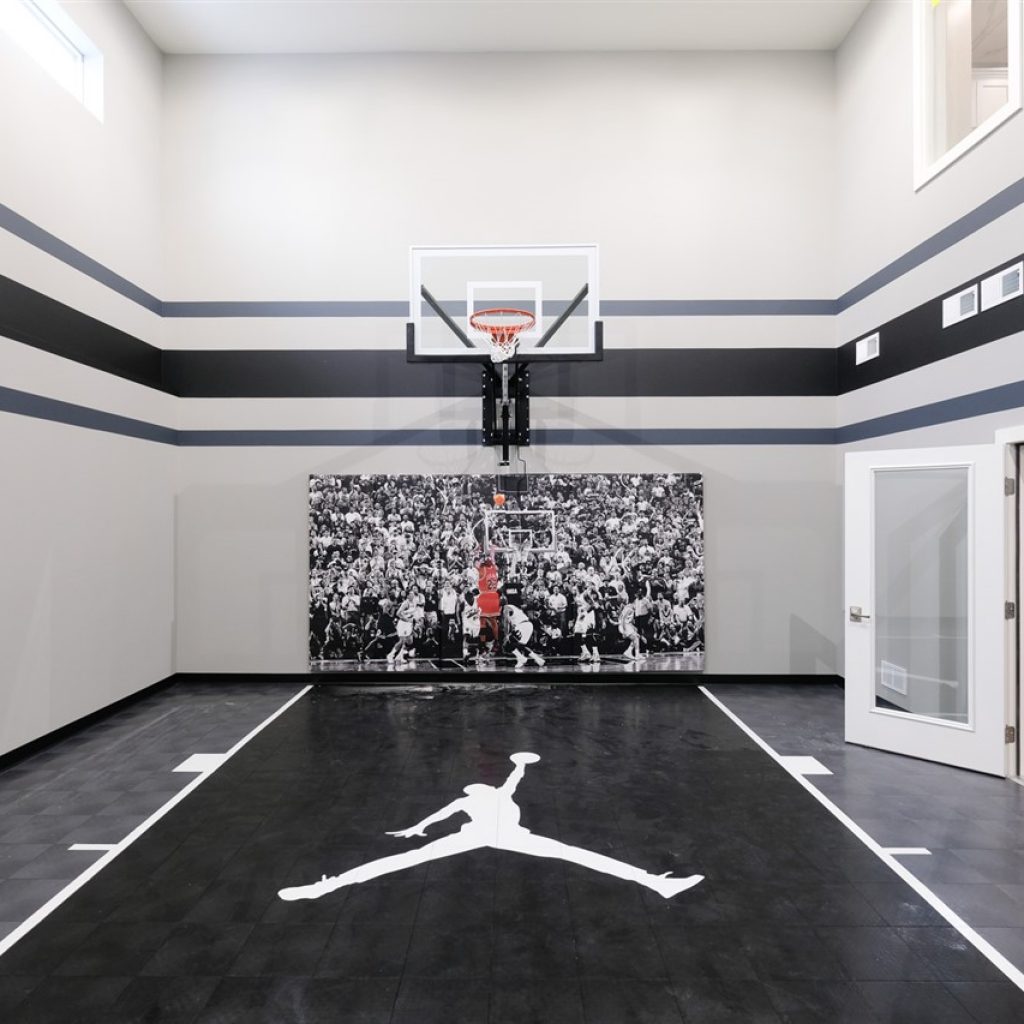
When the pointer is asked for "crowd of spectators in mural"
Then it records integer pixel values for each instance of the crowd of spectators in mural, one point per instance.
(401, 568)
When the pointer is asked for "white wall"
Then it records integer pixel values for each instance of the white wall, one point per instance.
(86, 545)
(880, 216)
(772, 534)
(96, 185)
(700, 175)
(86, 518)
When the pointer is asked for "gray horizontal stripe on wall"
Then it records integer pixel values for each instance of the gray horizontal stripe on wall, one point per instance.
(1002, 202)
(335, 310)
(718, 307)
(24, 229)
(980, 403)
(400, 309)
(464, 438)
(998, 399)
(22, 403)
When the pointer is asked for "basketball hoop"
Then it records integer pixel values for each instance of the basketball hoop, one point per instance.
(504, 327)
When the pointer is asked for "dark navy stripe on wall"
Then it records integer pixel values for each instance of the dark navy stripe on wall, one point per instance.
(980, 403)
(609, 307)
(992, 400)
(992, 209)
(53, 246)
(38, 407)
(35, 319)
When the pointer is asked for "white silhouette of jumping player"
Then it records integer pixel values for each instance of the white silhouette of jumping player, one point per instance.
(493, 822)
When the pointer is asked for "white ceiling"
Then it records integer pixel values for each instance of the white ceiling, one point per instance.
(383, 26)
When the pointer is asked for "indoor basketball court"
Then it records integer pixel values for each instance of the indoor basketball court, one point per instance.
(511, 511)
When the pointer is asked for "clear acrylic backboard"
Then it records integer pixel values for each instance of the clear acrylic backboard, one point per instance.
(543, 280)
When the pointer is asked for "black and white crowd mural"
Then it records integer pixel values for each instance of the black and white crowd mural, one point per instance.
(576, 569)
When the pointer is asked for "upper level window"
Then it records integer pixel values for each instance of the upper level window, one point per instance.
(45, 31)
(968, 71)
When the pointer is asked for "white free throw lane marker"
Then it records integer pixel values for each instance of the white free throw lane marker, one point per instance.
(201, 763)
(92, 846)
(803, 765)
(907, 851)
(982, 945)
(98, 865)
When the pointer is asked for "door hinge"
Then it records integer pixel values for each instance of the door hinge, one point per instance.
(1010, 610)
(1011, 734)
(1009, 486)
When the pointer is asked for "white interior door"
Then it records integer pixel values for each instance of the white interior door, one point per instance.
(926, 586)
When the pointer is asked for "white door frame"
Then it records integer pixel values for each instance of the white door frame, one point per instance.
(1010, 438)
(993, 642)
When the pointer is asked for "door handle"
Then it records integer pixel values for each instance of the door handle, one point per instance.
(857, 615)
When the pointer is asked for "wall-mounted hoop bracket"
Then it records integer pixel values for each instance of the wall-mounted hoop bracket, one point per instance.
(522, 289)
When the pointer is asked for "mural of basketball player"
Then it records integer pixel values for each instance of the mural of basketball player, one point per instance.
(489, 603)
(470, 625)
(583, 629)
(493, 823)
(627, 627)
(519, 633)
(404, 626)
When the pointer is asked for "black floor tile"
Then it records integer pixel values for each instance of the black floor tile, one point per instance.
(300, 1001)
(991, 1002)
(914, 1002)
(281, 949)
(950, 954)
(197, 950)
(373, 931)
(130, 945)
(820, 1002)
(791, 953)
(875, 954)
(434, 1001)
(162, 1000)
(14, 989)
(629, 1001)
(614, 937)
(715, 1001)
(71, 1000)
(536, 1000)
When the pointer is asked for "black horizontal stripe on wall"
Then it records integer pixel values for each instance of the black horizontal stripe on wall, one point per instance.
(917, 338)
(461, 438)
(375, 373)
(37, 320)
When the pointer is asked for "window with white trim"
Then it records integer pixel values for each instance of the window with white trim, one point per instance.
(45, 31)
(968, 76)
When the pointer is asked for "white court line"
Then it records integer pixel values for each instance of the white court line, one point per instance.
(803, 765)
(92, 846)
(982, 945)
(908, 851)
(98, 865)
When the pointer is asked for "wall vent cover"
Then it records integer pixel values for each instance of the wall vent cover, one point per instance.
(960, 306)
(1007, 284)
(867, 348)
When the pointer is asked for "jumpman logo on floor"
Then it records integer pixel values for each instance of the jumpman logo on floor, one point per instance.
(494, 823)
